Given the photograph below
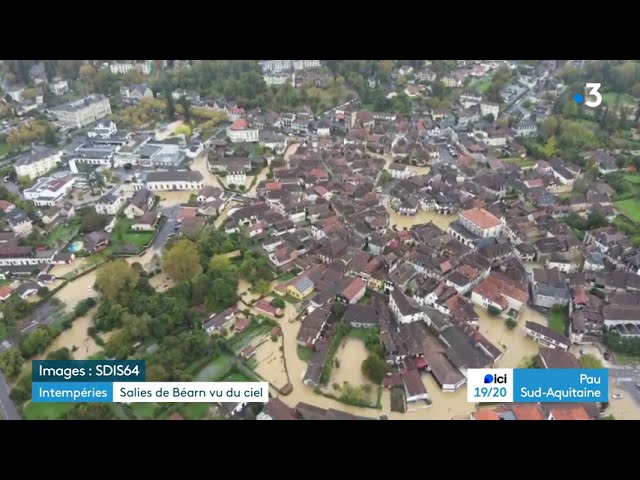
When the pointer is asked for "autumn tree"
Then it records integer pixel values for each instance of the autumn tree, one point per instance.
(114, 277)
(182, 261)
(87, 72)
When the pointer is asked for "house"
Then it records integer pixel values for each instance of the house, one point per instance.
(400, 171)
(489, 108)
(141, 202)
(237, 177)
(312, 327)
(58, 86)
(404, 309)
(37, 163)
(5, 293)
(361, 316)
(209, 194)
(146, 223)
(606, 163)
(240, 132)
(481, 222)
(353, 291)
(110, 203)
(414, 388)
(622, 319)
(546, 337)
(222, 320)
(27, 289)
(83, 112)
(19, 222)
(170, 180)
(315, 367)
(525, 129)
(276, 409)
(6, 206)
(231, 409)
(502, 293)
(569, 412)
(425, 75)
(135, 92)
(301, 289)
(563, 175)
(557, 358)
(96, 241)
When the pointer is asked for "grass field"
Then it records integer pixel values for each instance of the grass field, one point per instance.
(215, 370)
(632, 178)
(195, 411)
(62, 233)
(629, 207)
(47, 411)
(482, 85)
(4, 149)
(626, 100)
(243, 339)
(557, 321)
(123, 235)
(521, 162)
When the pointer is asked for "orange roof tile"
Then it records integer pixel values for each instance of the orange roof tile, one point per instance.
(481, 217)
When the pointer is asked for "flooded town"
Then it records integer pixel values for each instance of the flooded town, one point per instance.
(362, 261)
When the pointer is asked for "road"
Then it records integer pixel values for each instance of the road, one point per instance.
(627, 379)
(9, 410)
(167, 228)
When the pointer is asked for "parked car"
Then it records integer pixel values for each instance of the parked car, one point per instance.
(616, 396)
(606, 355)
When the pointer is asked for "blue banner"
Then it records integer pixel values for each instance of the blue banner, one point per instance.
(561, 385)
(79, 392)
(88, 371)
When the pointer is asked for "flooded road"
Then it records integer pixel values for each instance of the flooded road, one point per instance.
(271, 362)
(407, 221)
(624, 409)
(200, 164)
(77, 290)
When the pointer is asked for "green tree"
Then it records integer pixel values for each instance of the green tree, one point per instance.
(278, 303)
(115, 277)
(570, 109)
(87, 72)
(550, 126)
(43, 292)
(156, 373)
(186, 107)
(590, 361)
(171, 107)
(262, 287)
(11, 361)
(137, 327)
(510, 323)
(61, 354)
(182, 261)
(119, 346)
(105, 82)
(493, 311)
(221, 266)
(374, 368)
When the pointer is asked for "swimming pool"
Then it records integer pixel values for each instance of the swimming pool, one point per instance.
(75, 247)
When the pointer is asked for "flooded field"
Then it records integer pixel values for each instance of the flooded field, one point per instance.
(624, 409)
(350, 355)
(78, 265)
(171, 198)
(271, 363)
(78, 290)
(169, 130)
(76, 338)
(518, 346)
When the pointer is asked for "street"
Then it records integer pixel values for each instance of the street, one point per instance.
(6, 404)
(167, 228)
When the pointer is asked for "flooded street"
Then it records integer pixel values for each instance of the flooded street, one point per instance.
(78, 290)
(407, 221)
(200, 164)
(624, 409)
(74, 267)
(169, 130)
(271, 362)
(178, 197)
(519, 347)
(350, 355)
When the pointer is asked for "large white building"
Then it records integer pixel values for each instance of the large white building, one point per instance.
(236, 177)
(13, 256)
(170, 180)
(276, 66)
(400, 171)
(240, 132)
(50, 191)
(79, 113)
(110, 203)
(481, 222)
(37, 163)
(124, 67)
(487, 108)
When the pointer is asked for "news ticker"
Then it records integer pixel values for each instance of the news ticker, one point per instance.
(123, 381)
(491, 385)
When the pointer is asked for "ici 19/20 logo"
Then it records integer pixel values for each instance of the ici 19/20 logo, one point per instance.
(488, 378)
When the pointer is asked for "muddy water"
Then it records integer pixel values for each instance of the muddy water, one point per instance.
(171, 198)
(77, 336)
(291, 150)
(169, 130)
(350, 355)
(518, 346)
(74, 267)
(271, 362)
(161, 282)
(78, 290)
(624, 409)
(244, 291)
(406, 221)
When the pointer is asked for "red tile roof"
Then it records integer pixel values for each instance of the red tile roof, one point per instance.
(5, 292)
(354, 288)
(570, 413)
(481, 218)
(273, 186)
(240, 124)
(527, 412)
(486, 415)
(241, 324)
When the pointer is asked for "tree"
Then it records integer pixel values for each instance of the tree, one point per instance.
(221, 266)
(43, 292)
(186, 107)
(87, 72)
(550, 126)
(510, 323)
(137, 327)
(590, 361)
(119, 346)
(374, 368)
(90, 221)
(105, 82)
(171, 107)
(156, 373)
(385, 177)
(489, 118)
(262, 287)
(115, 277)
(182, 261)
(183, 130)
(277, 303)
(61, 354)
(493, 311)
(11, 361)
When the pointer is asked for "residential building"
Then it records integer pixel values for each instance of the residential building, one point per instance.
(120, 68)
(49, 191)
(146, 223)
(20, 223)
(240, 132)
(20, 256)
(237, 177)
(489, 108)
(301, 289)
(170, 180)
(361, 316)
(141, 202)
(222, 320)
(58, 86)
(404, 309)
(93, 154)
(96, 241)
(546, 337)
(110, 203)
(135, 92)
(37, 163)
(482, 223)
(400, 171)
(83, 112)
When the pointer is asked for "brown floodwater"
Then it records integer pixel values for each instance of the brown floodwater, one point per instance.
(271, 362)
(407, 221)
(350, 355)
(161, 282)
(624, 409)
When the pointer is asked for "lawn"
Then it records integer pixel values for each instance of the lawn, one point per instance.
(123, 235)
(482, 85)
(304, 353)
(629, 207)
(521, 162)
(290, 299)
(62, 234)
(215, 370)
(623, 359)
(557, 321)
(287, 276)
(236, 377)
(47, 411)
(144, 411)
(195, 411)
(4, 149)
(632, 178)
(626, 100)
